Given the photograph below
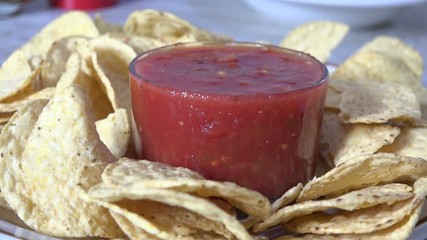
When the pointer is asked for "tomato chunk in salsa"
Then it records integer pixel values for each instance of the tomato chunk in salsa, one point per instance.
(239, 112)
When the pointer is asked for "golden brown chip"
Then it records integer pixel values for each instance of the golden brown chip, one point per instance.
(411, 142)
(114, 132)
(364, 198)
(50, 175)
(364, 170)
(375, 102)
(111, 59)
(73, 23)
(127, 173)
(340, 141)
(317, 38)
(157, 209)
(15, 75)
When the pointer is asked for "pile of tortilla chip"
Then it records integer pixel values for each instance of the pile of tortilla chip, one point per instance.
(374, 140)
(65, 142)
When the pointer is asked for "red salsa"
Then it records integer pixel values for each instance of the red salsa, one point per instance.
(245, 113)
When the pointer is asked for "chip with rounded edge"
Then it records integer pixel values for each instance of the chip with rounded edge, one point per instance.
(45, 93)
(317, 38)
(139, 44)
(15, 75)
(376, 102)
(106, 27)
(114, 132)
(364, 198)
(53, 174)
(166, 27)
(130, 174)
(55, 63)
(364, 170)
(132, 231)
(339, 141)
(363, 220)
(411, 142)
(167, 212)
(110, 59)
(98, 101)
(73, 23)
(375, 61)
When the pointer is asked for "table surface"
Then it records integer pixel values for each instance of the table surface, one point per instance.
(231, 17)
(234, 18)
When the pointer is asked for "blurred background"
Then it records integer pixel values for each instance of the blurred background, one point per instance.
(248, 20)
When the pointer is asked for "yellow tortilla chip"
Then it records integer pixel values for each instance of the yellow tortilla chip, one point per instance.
(166, 27)
(50, 175)
(15, 75)
(106, 27)
(139, 44)
(114, 132)
(375, 102)
(364, 170)
(153, 205)
(317, 38)
(73, 23)
(128, 173)
(364, 198)
(385, 59)
(55, 63)
(412, 142)
(111, 60)
(45, 93)
(98, 101)
(401, 230)
(340, 141)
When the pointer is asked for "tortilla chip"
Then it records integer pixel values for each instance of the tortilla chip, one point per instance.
(376, 61)
(340, 141)
(114, 132)
(132, 231)
(98, 101)
(364, 198)
(106, 27)
(162, 209)
(139, 44)
(364, 170)
(46, 93)
(73, 23)
(317, 38)
(166, 27)
(412, 142)
(333, 99)
(53, 174)
(374, 102)
(15, 75)
(111, 60)
(55, 64)
(129, 174)
(401, 230)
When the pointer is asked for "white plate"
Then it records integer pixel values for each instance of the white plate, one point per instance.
(356, 13)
